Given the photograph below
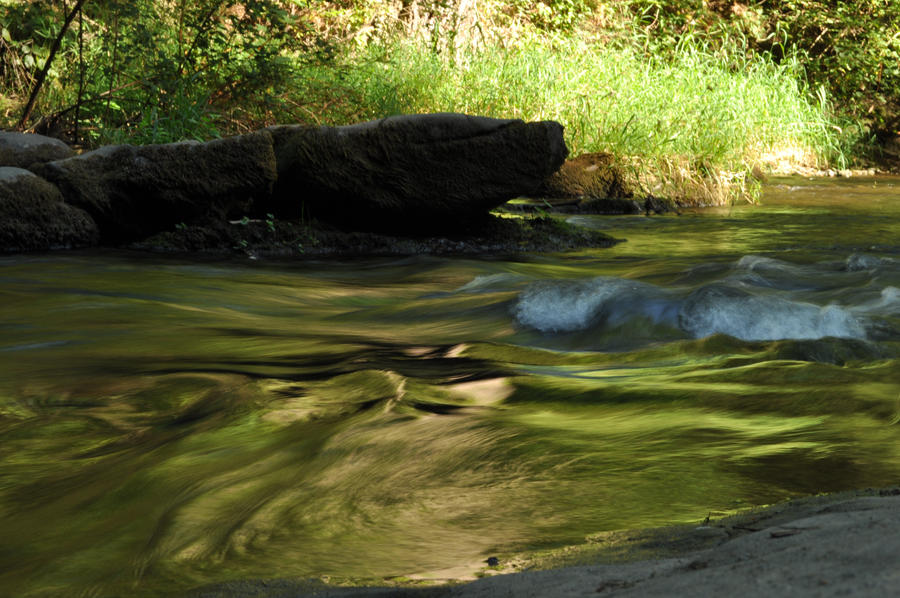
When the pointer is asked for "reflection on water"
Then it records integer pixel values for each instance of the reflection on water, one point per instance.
(166, 424)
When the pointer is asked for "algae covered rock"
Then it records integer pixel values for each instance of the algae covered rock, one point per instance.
(24, 149)
(412, 173)
(591, 182)
(135, 191)
(34, 217)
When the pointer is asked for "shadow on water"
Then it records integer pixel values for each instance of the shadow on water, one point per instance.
(166, 424)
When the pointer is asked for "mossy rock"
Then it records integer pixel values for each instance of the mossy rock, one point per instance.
(24, 149)
(33, 216)
(133, 192)
(590, 183)
(489, 235)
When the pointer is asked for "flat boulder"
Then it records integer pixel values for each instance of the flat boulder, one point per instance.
(133, 192)
(415, 173)
(24, 149)
(33, 216)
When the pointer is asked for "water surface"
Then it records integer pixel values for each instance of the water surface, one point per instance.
(167, 423)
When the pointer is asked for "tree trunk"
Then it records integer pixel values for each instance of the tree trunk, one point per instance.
(39, 82)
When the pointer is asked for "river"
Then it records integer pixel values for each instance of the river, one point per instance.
(169, 422)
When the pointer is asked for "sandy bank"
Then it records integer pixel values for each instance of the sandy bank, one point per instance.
(845, 544)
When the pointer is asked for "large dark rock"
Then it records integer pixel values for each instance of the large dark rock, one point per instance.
(135, 191)
(416, 173)
(34, 217)
(24, 149)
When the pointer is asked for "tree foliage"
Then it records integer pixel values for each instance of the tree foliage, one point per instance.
(167, 69)
(852, 48)
(163, 68)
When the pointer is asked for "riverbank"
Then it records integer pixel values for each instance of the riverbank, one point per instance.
(690, 102)
(840, 544)
(427, 183)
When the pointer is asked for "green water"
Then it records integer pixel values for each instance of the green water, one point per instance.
(167, 423)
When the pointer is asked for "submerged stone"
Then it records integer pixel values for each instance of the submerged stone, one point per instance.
(135, 191)
(490, 235)
(416, 173)
(33, 216)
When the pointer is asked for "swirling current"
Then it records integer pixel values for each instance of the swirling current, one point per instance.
(171, 422)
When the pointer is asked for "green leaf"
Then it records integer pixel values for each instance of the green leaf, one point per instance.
(6, 36)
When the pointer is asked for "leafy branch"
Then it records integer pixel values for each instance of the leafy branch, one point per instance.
(42, 76)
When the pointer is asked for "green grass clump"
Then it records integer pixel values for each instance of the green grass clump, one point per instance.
(689, 99)
(692, 124)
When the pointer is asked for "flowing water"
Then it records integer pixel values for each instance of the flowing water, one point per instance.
(167, 423)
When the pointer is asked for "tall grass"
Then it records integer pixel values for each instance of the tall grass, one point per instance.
(694, 117)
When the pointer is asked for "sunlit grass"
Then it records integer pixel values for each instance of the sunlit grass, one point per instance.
(689, 124)
(695, 124)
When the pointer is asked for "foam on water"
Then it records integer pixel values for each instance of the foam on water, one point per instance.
(887, 304)
(713, 309)
(861, 262)
(759, 298)
(566, 306)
